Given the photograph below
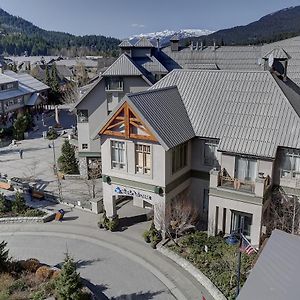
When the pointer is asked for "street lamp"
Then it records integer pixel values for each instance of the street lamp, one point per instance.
(233, 240)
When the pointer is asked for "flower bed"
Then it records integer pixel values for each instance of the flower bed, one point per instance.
(219, 263)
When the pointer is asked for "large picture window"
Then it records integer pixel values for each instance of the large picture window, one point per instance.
(143, 159)
(179, 157)
(118, 160)
(245, 169)
(290, 164)
(210, 153)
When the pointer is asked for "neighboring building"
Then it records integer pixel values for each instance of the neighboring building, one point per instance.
(143, 64)
(130, 73)
(20, 92)
(221, 137)
(275, 275)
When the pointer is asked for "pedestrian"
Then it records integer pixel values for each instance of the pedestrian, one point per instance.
(21, 153)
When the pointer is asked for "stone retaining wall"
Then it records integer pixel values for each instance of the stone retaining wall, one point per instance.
(199, 276)
(47, 218)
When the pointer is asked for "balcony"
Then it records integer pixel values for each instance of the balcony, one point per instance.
(221, 179)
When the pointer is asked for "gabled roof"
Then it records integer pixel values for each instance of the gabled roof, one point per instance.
(143, 42)
(277, 53)
(150, 64)
(123, 66)
(125, 44)
(246, 110)
(275, 275)
(27, 81)
(163, 113)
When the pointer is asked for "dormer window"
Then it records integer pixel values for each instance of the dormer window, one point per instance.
(114, 84)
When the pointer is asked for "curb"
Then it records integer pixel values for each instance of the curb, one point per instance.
(199, 276)
(136, 258)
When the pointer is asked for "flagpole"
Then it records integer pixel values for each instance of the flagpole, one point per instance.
(239, 257)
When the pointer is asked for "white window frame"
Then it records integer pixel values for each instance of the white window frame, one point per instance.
(293, 172)
(210, 161)
(142, 168)
(179, 157)
(116, 165)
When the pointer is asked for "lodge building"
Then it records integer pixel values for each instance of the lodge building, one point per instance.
(223, 134)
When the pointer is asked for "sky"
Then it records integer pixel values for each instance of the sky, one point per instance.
(123, 18)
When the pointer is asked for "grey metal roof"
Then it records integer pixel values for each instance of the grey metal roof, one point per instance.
(28, 81)
(278, 53)
(6, 79)
(125, 43)
(123, 66)
(201, 66)
(246, 110)
(150, 64)
(164, 112)
(275, 275)
(143, 42)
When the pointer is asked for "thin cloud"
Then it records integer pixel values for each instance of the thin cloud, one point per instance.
(137, 25)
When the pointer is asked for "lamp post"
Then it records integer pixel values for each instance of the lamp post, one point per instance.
(232, 240)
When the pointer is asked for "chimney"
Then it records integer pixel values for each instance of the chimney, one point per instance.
(197, 46)
(174, 42)
(285, 70)
(201, 45)
(157, 44)
(215, 47)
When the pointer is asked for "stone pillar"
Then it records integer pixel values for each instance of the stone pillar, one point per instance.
(259, 187)
(83, 168)
(214, 178)
(211, 219)
(256, 227)
(228, 221)
(109, 201)
(220, 219)
(138, 202)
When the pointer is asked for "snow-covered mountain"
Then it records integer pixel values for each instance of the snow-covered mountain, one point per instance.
(164, 36)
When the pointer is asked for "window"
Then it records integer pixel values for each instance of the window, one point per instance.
(82, 116)
(109, 97)
(245, 169)
(179, 157)
(290, 164)
(114, 84)
(143, 159)
(210, 153)
(240, 219)
(84, 146)
(205, 200)
(118, 155)
(9, 86)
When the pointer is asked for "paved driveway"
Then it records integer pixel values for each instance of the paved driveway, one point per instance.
(112, 274)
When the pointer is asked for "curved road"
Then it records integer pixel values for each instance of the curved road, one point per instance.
(117, 265)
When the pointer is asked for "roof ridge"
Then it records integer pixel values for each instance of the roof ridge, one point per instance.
(153, 90)
(218, 71)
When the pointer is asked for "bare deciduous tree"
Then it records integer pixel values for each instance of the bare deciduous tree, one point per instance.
(283, 213)
(176, 217)
(71, 93)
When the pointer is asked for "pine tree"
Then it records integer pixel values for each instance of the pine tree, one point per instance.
(54, 79)
(67, 161)
(19, 205)
(3, 256)
(68, 285)
(47, 77)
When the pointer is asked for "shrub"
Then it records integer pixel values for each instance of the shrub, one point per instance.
(38, 295)
(43, 273)
(18, 286)
(68, 285)
(114, 224)
(5, 205)
(146, 236)
(34, 213)
(19, 205)
(31, 265)
(4, 259)
(52, 134)
(6, 280)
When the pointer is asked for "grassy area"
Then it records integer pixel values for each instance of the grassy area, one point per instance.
(218, 264)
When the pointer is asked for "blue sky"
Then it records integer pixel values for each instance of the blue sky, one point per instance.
(122, 18)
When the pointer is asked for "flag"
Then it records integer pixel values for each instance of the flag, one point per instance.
(246, 246)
